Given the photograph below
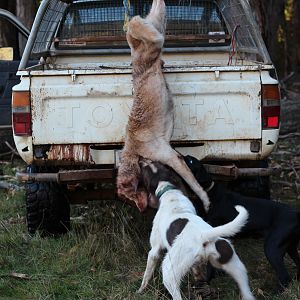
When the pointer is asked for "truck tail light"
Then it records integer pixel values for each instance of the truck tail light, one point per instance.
(21, 117)
(270, 96)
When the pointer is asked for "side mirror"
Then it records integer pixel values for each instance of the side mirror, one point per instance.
(6, 53)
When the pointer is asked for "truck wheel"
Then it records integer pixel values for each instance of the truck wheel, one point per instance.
(6, 135)
(48, 209)
(258, 186)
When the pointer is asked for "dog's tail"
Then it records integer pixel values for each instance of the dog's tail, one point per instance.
(231, 228)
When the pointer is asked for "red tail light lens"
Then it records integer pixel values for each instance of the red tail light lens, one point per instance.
(22, 123)
(21, 113)
(270, 106)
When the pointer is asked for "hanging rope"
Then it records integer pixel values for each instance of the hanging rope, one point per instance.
(233, 44)
(126, 4)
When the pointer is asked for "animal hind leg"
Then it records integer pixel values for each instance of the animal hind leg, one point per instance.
(173, 159)
(274, 250)
(293, 253)
(174, 267)
(157, 15)
(236, 269)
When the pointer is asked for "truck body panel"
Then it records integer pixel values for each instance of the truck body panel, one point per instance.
(92, 109)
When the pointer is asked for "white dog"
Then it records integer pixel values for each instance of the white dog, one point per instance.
(190, 241)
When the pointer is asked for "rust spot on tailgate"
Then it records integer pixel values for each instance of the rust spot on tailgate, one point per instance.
(76, 153)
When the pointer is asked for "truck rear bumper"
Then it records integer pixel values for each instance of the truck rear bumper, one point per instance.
(229, 172)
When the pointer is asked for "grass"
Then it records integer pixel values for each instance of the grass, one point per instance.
(103, 257)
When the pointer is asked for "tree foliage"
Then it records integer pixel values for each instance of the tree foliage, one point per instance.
(279, 21)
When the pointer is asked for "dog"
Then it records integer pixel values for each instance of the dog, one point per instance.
(151, 119)
(188, 240)
(278, 222)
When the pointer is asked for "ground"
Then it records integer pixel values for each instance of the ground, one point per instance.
(105, 254)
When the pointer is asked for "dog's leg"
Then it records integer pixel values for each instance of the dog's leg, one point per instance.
(275, 254)
(153, 257)
(177, 262)
(173, 159)
(293, 253)
(235, 268)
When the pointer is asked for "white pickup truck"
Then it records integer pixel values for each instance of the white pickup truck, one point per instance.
(70, 110)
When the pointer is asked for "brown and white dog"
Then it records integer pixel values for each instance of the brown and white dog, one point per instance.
(150, 123)
(188, 239)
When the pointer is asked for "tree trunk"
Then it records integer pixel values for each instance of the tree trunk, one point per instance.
(25, 11)
(294, 39)
(275, 33)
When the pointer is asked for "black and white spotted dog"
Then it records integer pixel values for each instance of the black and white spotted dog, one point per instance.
(188, 239)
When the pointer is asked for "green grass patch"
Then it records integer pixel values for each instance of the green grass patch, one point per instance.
(104, 257)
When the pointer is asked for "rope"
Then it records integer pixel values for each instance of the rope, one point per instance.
(233, 45)
(126, 4)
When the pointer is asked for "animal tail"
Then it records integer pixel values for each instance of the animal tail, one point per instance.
(231, 228)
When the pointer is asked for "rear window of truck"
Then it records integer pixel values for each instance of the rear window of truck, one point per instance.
(100, 24)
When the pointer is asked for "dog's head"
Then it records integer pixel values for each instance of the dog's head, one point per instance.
(200, 173)
(154, 172)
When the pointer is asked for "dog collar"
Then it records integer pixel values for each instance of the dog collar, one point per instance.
(166, 188)
(210, 187)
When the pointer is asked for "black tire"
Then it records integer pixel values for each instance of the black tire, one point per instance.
(48, 209)
(258, 186)
(6, 135)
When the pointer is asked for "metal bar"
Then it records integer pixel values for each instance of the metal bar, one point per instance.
(252, 172)
(33, 33)
(230, 171)
(69, 176)
(15, 21)
(234, 172)
(56, 52)
(86, 175)
(22, 176)
(107, 38)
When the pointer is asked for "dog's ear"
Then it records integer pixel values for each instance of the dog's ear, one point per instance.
(198, 169)
(191, 161)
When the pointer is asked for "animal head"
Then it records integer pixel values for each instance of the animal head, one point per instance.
(128, 189)
(154, 172)
(200, 173)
